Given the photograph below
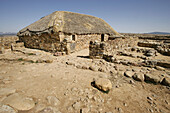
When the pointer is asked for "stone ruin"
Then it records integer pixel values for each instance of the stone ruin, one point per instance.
(109, 48)
(9, 42)
(129, 46)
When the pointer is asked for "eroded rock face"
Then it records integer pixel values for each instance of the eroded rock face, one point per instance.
(103, 84)
(19, 102)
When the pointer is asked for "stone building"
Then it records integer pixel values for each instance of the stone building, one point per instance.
(64, 31)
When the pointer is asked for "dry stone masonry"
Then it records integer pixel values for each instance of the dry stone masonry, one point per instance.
(6, 41)
(9, 42)
(96, 49)
(109, 48)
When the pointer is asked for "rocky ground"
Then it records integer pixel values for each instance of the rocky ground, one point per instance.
(34, 81)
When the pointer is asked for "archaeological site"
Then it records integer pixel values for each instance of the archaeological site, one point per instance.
(75, 63)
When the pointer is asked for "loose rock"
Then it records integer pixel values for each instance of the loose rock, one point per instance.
(138, 76)
(128, 74)
(76, 105)
(160, 68)
(102, 69)
(93, 68)
(70, 63)
(48, 61)
(151, 52)
(103, 84)
(166, 81)
(152, 78)
(149, 98)
(53, 101)
(19, 102)
(84, 110)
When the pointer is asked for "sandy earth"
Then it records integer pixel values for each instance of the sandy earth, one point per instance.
(72, 86)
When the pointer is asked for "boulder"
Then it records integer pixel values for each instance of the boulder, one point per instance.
(19, 102)
(128, 73)
(138, 76)
(166, 81)
(103, 84)
(152, 78)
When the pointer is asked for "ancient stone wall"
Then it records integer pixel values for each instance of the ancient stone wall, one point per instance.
(45, 42)
(60, 42)
(84, 40)
(120, 44)
(6, 41)
(81, 41)
(110, 47)
(96, 49)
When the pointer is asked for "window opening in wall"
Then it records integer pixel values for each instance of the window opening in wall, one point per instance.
(102, 37)
(74, 37)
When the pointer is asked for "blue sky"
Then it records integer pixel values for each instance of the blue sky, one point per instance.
(129, 16)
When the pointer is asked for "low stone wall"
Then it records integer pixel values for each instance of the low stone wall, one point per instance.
(6, 41)
(148, 44)
(120, 44)
(96, 50)
(160, 47)
(110, 47)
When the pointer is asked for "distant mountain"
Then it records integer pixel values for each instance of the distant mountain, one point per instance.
(163, 33)
(7, 33)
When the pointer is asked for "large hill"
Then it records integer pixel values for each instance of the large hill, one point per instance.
(7, 33)
(164, 33)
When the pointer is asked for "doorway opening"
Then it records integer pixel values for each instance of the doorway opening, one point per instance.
(102, 37)
(73, 37)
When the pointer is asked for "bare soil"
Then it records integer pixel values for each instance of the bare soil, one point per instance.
(72, 85)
